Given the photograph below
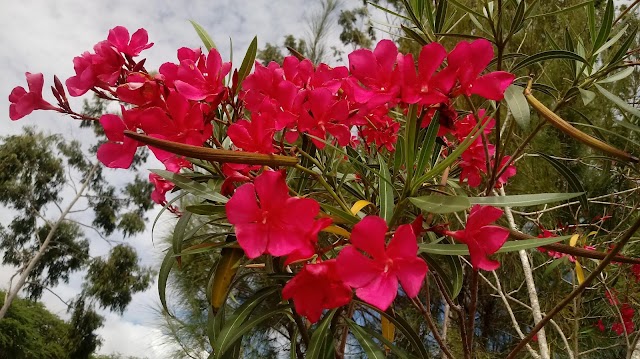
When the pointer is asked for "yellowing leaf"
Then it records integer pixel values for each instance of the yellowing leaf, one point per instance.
(359, 206)
(226, 269)
(579, 272)
(574, 240)
(388, 331)
(337, 230)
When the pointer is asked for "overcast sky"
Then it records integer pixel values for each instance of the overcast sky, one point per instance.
(45, 35)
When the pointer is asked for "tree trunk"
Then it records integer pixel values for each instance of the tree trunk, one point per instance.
(13, 292)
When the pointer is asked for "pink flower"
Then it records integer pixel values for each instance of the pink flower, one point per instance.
(424, 88)
(141, 90)
(235, 173)
(255, 135)
(120, 150)
(204, 80)
(309, 249)
(267, 220)
(101, 69)
(119, 38)
(161, 187)
(315, 288)
(467, 61)
(482, 239)
(600, 325)
(376, 276)
(376, 72)
(323, 113)
(635, 270)
(23, 102)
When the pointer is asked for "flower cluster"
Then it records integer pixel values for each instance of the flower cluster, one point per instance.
(277, 107)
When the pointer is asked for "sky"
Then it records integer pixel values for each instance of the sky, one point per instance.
(44, 36)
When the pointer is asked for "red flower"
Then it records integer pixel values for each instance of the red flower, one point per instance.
(309, 249)
(235, 173)
(325, 114)
(600, 325)
(267, 220)
(23, 102)
(255, 135)
(202, 81)
(161, 187)
(376, 276)
(120, 150)
(482, 239)
(119, 38)
(101, 69)
(375, 70)
(635, 270)
(424, 88)
(315, 288)
(467, 61)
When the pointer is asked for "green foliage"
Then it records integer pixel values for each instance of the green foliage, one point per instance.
(31, 331)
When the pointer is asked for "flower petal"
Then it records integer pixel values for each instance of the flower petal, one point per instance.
(380, 292)
(355, 269)
(411, 273)
(368, 235)
(403, 244)
(243, 206)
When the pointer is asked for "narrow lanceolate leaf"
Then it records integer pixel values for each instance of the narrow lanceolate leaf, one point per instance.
(163, 276)
(572, 179)
(414, 35)
(622, 51)
(548, 55)
(518, 105)
(568, 129)
(518, 18)
(204, 36)
(611, 41)
(205, 209)
(618, 76)
(428, 146)
(403, 326)
(322, 333)
(358, 206)
(225, 339)
(214, 155)
(193, 187)
(523, 200)
(249, 59)
(441, 204)
(250, 324)
(624, 106)
(607, 23)
(385, 191)
(587, 96)
(441, 15)
(448, 267)
(226, 269)
(389, 346)
(178, 235)
(370, 348)
(566, 9)
(510, 246)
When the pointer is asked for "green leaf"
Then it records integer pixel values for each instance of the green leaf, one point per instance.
(451, 270)
(591, 16)
(611, 41)
(622, 51)
(572, 179)
(441, 204)
(249, 59)
(402, 325)
(548, 55)
(510, 246)
(465, 8)
(193, 187)
(163, 276)
(548, 269)
(587, 96)
(370, 348)
(414, 35)
(224, 272)
(441, 15)
(567, 9)
(164, 208)
(317, 347)
(388, 11)
(204, 36)
(345, 216)
(518, 105)
(178, 232)
(411, 132)
(238, 333)
(523, 200)
(401, 354)
(607, 23)
(205, 209)
(226, 337)
(518, 18)
(428, 145)
(385, 189)
(618, 76)
(624, 106)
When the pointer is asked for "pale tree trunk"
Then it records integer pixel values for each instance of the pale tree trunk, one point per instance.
(531, 288)
(635, 352)
(12, 292)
